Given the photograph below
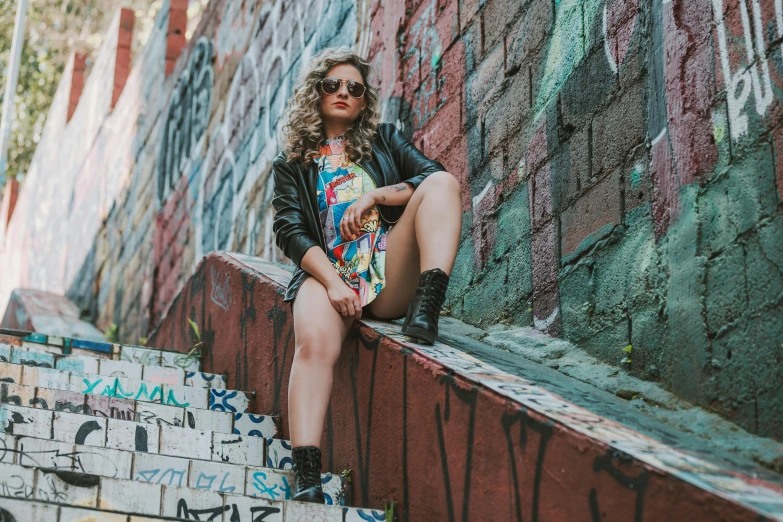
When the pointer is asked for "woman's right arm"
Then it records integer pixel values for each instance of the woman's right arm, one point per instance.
(295, 240)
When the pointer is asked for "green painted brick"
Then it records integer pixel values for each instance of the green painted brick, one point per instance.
(726, 293)
(764, 279)
(620, 268)
(576, 301)
(735, 201)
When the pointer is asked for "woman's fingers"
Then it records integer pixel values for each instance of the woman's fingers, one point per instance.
(357, 222)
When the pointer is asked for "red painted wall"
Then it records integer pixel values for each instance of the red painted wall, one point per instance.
(436, 444)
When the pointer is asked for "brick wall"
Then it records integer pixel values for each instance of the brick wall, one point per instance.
(619, 159)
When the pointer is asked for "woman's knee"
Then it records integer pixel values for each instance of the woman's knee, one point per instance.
(441, 181)
(317, 346)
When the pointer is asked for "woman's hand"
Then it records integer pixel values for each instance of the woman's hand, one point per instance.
(344, 299)
(351, 222)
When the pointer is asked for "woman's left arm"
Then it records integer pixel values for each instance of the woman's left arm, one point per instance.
(394, 195)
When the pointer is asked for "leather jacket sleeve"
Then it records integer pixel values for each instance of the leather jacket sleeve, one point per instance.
(290, 227)
(411, 163)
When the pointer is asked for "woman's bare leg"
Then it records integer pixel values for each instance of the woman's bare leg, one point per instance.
(319, 334)
(425, 237)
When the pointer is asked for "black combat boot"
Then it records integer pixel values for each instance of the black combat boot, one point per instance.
(307, 474)
(421, 322)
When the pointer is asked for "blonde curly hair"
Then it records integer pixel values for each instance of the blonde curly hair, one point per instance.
(303, 123)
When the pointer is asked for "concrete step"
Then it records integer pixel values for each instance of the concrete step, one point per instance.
(47, 489)
(17, 510)
(146, 412)
(256, 481)
(33, 354)
(126, 352)
(124, 388)
(135, 436)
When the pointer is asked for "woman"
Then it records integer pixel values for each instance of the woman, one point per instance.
(372, 225)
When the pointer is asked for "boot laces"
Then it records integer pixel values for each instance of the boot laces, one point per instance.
(434, 295)
(310, 474)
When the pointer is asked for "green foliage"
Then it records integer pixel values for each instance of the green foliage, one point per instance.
(389, 509)
(112, 334)
(195, 350)
(194, 327)
(53, 30)
(627, 358)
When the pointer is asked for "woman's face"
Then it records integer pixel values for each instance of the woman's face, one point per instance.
(341, 107)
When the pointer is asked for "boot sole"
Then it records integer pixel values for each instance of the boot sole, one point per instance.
(308, 496)
(421, 334)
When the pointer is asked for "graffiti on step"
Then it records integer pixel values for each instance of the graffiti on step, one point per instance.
(113, 388)
(163, 476)
(237, 513)
(216, 482)
(81, 460)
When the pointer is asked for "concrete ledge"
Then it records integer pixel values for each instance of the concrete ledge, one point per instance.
(40, 311)
(444, 435)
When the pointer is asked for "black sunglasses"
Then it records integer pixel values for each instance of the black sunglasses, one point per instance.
(332, 85)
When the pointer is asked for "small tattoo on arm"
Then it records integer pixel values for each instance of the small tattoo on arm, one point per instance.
(399, 188)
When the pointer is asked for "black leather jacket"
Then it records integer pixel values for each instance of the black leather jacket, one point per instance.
(297, 225)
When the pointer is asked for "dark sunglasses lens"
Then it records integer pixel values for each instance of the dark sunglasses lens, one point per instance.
(355, 89)
(330, 85)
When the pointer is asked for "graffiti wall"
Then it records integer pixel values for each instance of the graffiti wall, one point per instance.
(619, 161)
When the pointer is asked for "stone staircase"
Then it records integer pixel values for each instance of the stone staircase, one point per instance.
(100, 431)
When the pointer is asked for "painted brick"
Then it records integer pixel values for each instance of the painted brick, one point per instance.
(254, 425)
(43, 453)
(25, 510)
(185, 442)
(60, 400)
(308, 511)
(140, 355)
(278, 454)
(78, 364)
(152, 413)
(45, 377)
(64, 487)
(18, 420)
(229, 400)
(79, 429)
(120, 369)
(215, 476)
(31, 358)
(209, 420)
(206, 380)
(159, 469)
(143, 499)
(237, 449)
(106, 462)
(175, 499)
(164, 375)
(248, 508)
(17, 394)
(132, 436)
(269, 484)
(186, 396)
(69, 514)
(363, 515)
(180, 361)
(10, 372)
(17, 481)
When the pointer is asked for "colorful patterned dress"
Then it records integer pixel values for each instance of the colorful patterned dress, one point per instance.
(361, 261)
